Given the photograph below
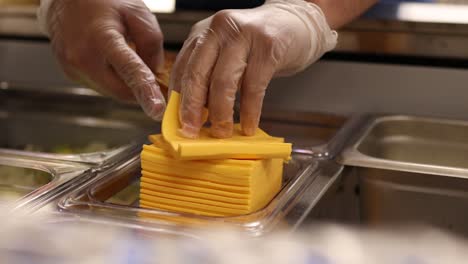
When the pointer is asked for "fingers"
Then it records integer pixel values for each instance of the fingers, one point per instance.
(95, 74)
(134, 73)
(195, 82)
(225, 82)
(106, 81)
(181, 62)
(144, 30)
(260, 70)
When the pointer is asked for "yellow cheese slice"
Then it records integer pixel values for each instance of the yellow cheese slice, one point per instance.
(189, 174)
(180, 181)
(171, 208)
(266, 183)
(155, 149)
(191, 194)
(176, 219)
(226, 170)
(192, 205)
(186, 173)
(259, 146)
(266, 180)
(201, 201)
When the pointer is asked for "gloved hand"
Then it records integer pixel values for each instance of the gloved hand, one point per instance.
(243, 50)
(91, 40)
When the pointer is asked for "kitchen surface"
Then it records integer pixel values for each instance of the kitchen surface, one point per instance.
(365, 153)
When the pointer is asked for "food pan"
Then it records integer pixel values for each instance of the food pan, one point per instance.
(28, 184)
(403, 169)
(77, 138)
(315, 138)
(413, 144)
(115, 194)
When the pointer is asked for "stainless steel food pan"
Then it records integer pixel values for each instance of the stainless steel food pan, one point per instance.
(66, 137)
(403, 170)
(413, 144)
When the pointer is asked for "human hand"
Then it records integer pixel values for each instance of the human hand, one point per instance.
(113, 46)
(243, 50)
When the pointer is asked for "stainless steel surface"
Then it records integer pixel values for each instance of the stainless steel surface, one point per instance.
(410, 29)
(370, 197)
(412, 144)
(68, 130)
(343, 88)
(403, 170)
(403, 28)
(67, 137)
(320, 135)
(347, 88)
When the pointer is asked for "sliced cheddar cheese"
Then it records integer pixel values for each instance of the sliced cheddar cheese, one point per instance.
(223, 187)
(259, 146)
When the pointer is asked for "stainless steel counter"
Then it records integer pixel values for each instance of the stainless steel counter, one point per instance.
(421, 29)
(361, 87)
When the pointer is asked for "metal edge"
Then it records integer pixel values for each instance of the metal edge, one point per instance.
(333, 148)
(319, 188)
(351, 156)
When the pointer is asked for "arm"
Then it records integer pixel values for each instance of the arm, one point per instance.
(341, 12)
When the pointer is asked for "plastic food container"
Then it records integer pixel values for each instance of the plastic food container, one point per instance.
(306, 178)
(28, 184)
(115, 194)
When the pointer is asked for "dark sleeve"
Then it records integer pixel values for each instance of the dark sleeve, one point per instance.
(216, 5)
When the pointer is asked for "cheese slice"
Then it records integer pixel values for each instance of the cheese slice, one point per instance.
(200, 201)
(172, 208)
(208, 176)
(182, 181)
(192, 205)
(224, 168)
(188, 190)
(259, 146)
(162, 190)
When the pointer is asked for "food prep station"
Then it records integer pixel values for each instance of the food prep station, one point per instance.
(379, 133)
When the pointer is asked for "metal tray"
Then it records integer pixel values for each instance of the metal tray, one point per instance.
(78, 138)
(403, 170)
(27, 184)
(412, 144)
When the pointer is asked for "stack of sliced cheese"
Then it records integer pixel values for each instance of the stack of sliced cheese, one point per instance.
(209, 176)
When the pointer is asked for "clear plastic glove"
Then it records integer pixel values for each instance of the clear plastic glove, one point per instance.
(90, 39)
(243, 50)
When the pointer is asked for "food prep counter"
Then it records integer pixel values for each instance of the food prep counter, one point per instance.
(356, 160)
(372, 170)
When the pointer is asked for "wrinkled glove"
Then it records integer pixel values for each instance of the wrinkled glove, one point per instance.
(90, 39)
(243, 50)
